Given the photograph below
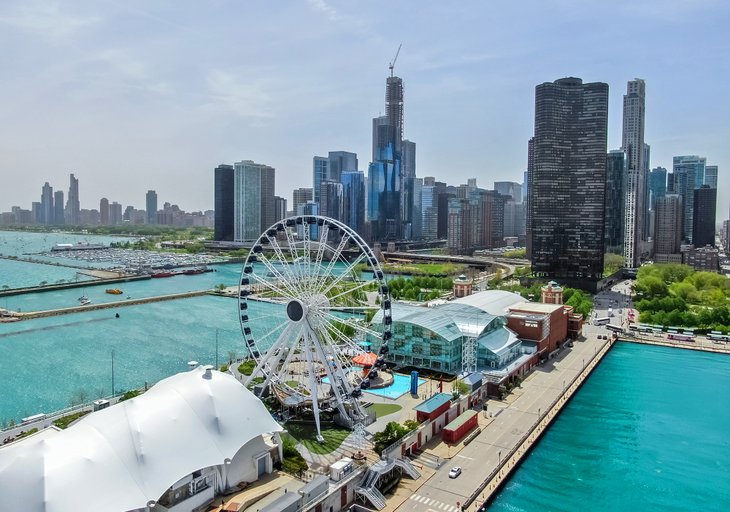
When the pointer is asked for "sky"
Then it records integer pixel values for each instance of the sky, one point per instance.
(132, 95)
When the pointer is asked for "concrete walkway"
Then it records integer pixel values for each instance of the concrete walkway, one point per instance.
(503, 430)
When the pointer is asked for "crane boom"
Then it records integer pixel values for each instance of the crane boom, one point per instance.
(392, 64)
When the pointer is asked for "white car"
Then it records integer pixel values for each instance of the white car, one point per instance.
(455, 472)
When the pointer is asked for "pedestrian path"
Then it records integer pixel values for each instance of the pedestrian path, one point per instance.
(432, 504)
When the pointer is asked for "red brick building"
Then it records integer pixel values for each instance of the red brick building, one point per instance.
(545, 324)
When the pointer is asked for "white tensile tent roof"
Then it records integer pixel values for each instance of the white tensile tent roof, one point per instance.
(123, 457)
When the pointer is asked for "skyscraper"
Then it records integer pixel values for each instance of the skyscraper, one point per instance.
(254, 208)
(320, 173)
(339, 162)
(115, 214)
(73, 205)
(688, 173)
(567, 176)
(330, 199)
(509, 188)
(385, 181)
(47, 204)
(223, 203)
(353, 198)
(300, 196)
(279, 208)
(635, 186)
(104, 211)
(668, 229)
(615, 197)
(657, 185)
(705, 205)
(151, 205)
(58, 217)
(711, 176)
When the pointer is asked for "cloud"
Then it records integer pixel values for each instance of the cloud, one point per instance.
(47, 20)
(246, 98)
(322, 6)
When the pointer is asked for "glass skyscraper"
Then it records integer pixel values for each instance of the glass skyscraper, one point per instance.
(254, 206)
(223, 204)
(688, 173)
(353, 198)
(616, 166)
(567, 176)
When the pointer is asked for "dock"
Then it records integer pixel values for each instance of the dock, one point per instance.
(76, 284)
(107, 305)
(699, 344)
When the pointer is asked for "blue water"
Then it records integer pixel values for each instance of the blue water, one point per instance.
(45, 362)
(648, 431)
(401, 385)
(18, 274)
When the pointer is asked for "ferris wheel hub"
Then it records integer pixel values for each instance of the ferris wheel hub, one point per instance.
(295, 310)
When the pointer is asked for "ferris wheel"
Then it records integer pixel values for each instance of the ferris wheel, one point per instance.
(309, 289)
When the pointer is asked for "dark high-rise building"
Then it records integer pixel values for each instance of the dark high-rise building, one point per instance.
(668, 229)
(151, 206)
(35, 212)
(58, 215)
(73, 205)
(224, 193)
(567, 181)
(705, 204)
(353, 199)
(47, 204)
(104, 211)
(615, 196)
(442, 215)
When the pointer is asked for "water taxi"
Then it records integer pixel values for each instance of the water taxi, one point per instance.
(114, 291)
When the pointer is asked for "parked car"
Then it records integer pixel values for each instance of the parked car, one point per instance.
(455, 472)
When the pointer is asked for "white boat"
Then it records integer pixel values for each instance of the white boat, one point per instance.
(84, 301)
(83, 298)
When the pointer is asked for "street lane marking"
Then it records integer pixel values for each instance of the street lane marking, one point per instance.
(433, 503)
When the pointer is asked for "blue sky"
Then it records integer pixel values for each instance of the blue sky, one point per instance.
(132, 94)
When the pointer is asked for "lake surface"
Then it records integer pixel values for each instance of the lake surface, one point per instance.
(648, 431)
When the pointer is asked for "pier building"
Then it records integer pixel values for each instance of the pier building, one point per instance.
(189, 438)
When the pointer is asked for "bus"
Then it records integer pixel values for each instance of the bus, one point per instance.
(601, 321)
(717, 336)
(614, 328)
(680, 337)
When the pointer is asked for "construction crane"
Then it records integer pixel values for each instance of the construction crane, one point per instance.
(392, 64)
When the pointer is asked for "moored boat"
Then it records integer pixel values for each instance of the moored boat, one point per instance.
(163, 274)
(193, 271)
(114, 291)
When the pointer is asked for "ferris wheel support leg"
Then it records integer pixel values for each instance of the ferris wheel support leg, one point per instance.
(308, 342)
(334, 377)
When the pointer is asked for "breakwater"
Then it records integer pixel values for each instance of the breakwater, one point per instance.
(107, 305)
(64, 286)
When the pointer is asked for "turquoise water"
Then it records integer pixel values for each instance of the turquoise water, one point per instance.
(401, 385)
(47, 361)
(18, 274)
(648, 431)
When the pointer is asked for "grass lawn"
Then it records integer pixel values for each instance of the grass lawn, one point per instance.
(307, 433)
(384, 409)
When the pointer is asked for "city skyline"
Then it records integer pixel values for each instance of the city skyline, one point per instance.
(165, 106)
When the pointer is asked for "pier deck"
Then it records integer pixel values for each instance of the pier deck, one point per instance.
(514, 427)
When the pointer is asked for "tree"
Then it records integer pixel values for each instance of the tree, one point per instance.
(392, 432)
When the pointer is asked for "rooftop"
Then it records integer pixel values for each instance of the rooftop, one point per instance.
(433, 403)
(535, 307)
